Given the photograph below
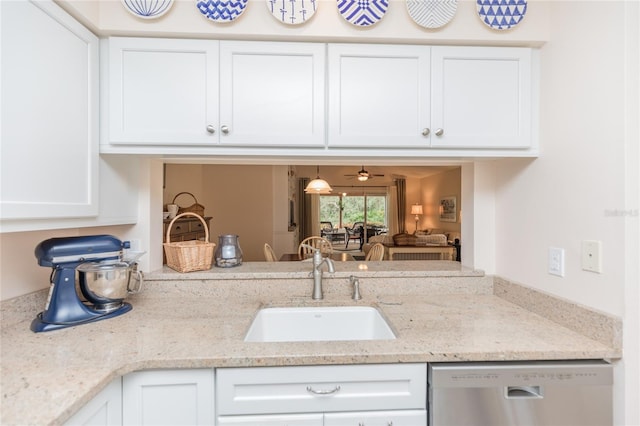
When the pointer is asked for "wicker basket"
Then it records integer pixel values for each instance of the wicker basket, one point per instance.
(194, 208)
(189, 256)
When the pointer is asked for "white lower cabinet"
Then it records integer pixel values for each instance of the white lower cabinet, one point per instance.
(105, 409)
(315, 419)
(377, 418)
(376, 394)
(168, 397)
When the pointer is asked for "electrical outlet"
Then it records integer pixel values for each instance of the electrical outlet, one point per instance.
(556, 261)
(592, 256)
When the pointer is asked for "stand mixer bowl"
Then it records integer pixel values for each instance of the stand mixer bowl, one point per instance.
(105, 284)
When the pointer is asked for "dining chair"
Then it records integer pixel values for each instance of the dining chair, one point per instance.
(269, 254)
(376, 252)
(317, 242)
(353, 234)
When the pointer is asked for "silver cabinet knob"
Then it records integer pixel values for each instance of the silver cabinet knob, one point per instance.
(211, 129)
(426, 131)
(225, 129)
(439, 132)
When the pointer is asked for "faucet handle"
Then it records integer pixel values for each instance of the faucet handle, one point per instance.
(355, 282)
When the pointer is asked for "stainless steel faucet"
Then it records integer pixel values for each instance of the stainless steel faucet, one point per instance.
(318, 260)
(355, 283)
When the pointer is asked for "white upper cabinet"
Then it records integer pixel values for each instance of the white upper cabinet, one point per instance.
(272, 93)
(49, 136)
(207, 97)
(206, 93)
(435, 98)
(481, 97)
(162, 91)
(378, 95)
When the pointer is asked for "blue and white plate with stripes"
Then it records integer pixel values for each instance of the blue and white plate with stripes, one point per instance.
(432, 13)
(147, 9)
(501, 14)
(363, 12)
(292, 12)
(222, 10)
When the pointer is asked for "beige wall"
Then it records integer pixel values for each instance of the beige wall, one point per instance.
(238, 198)
(432, 189)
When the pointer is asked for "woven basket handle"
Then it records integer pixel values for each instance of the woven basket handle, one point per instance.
(182, 193)
(206, 228)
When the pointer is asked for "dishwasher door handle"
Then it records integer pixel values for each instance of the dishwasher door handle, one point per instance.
(523, 392)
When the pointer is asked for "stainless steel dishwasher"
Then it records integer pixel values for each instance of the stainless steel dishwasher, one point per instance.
(517, 393)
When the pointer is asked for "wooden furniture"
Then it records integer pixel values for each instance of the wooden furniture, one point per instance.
(318, 242)
(269, 254)
(297, 257)
(376, 252)
(422, 252)
(185, 229)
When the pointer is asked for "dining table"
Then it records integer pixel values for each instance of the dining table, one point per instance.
(339, 256)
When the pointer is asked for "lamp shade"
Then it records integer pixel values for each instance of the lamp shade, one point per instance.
(318, 186)
(416, 209)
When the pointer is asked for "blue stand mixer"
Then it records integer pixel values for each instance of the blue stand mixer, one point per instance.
(104, 279)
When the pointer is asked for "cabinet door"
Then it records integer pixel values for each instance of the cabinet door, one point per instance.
(105, 409)
(168, 397)
(273, 420)
(481, 97)
(378, 96)
(378, 418)
(272, 93)
(162, 91)
(49, 148)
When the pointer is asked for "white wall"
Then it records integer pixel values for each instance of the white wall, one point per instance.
(572, 191)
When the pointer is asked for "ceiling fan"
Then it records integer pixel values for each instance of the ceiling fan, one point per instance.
(363, 175)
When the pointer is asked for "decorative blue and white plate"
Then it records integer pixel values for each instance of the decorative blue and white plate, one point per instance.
(501, 14)
(147, 9)
(292, 12)
(432, 13)
(222, 10)
(363, 12)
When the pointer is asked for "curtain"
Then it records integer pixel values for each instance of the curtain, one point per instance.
(315, 214)
(304, 210)
(401, 204)
(392, 214)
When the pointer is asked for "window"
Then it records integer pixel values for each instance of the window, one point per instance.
(345, 210)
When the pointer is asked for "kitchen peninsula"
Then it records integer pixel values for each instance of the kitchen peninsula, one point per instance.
(439, 311)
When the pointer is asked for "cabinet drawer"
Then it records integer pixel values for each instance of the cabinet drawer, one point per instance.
(321, 388)
(196, 226)
(377, 418)
(273, 420)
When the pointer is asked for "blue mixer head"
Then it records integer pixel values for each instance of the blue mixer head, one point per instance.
(71, 251)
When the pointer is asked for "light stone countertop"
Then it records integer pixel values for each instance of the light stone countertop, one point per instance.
(198, 320)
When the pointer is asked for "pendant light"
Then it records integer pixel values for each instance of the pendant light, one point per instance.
(318, 186)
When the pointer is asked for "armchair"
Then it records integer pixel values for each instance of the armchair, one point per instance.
(353, 234)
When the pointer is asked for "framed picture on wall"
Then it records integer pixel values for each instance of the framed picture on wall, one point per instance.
(448, 209)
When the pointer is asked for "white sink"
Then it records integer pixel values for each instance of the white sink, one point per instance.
(303, 324)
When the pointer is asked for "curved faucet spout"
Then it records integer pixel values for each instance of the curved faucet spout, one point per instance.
(318, 261)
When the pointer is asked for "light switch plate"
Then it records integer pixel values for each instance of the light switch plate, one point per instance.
(556, 261)
(592, 256)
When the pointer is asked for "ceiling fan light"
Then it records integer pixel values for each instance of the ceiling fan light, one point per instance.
(363, 178)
